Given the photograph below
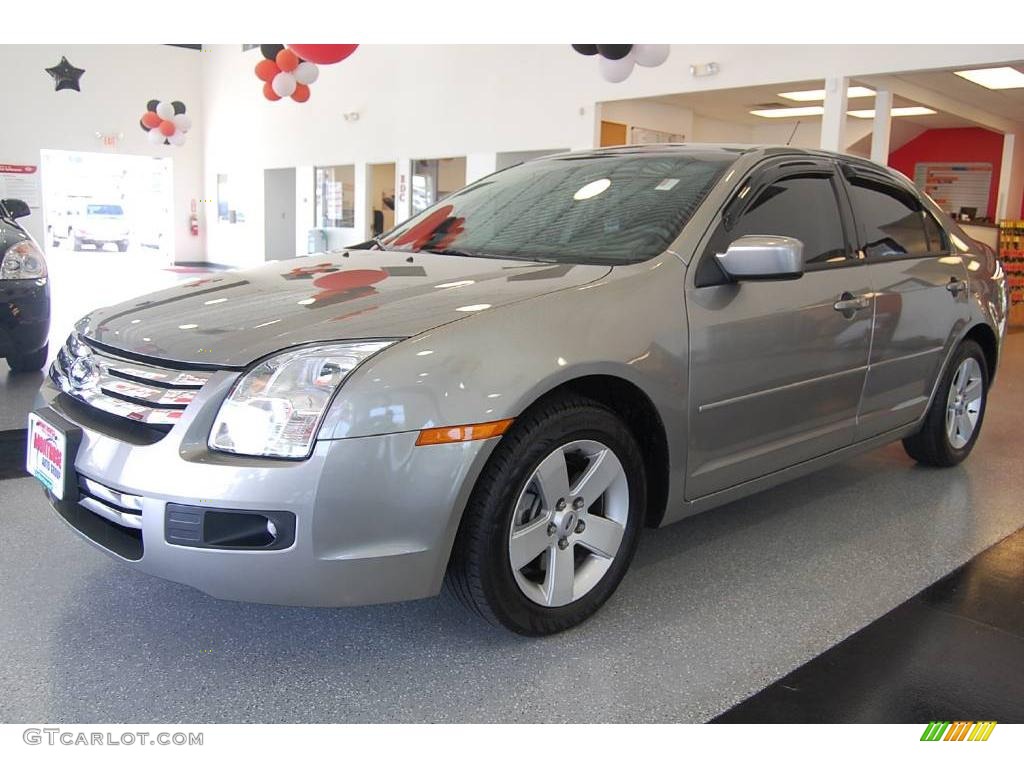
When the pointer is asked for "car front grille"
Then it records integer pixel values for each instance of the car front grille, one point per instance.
(130, 389)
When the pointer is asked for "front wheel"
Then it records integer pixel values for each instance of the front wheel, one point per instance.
(553, 521)
(29, 362)
(953, 421)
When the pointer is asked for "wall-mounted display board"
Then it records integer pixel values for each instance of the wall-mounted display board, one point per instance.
(956, 185)
(1011, 253)
(638, 135)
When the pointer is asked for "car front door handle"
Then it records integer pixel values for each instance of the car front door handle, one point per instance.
(848, 304)
(954, 286)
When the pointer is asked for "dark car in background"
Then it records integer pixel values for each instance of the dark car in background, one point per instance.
(24, 293)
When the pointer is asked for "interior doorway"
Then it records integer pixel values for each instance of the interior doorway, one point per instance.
(279, 213)
(433, 180)
(381, 200)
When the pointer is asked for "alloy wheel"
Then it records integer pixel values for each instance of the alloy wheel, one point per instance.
(568, 523)
(963, 403)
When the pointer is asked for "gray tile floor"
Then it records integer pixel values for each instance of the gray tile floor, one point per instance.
(714, 609)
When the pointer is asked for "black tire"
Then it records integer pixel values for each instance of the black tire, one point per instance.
(122, 246)
(78, 244)
(29, 362)
(931, 445)
(480, 574)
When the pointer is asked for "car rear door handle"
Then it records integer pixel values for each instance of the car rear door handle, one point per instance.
(954, 286)
(848, 304)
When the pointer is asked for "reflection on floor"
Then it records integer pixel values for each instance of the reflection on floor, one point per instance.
(953, 652)
(714, 609)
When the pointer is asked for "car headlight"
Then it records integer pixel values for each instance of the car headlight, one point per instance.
(276, 407)
(23, 261)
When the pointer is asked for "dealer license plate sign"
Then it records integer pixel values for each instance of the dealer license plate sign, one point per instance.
(47, 454)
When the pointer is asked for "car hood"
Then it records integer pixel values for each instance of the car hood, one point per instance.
(233, 318)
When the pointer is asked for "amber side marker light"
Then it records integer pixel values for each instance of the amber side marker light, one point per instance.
(463, 432)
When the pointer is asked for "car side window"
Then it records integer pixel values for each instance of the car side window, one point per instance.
(804, 207)
(892, 221)
(937, 240)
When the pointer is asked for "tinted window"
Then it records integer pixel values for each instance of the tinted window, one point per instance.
(891, 219)
(602, 208)
(936, 237)
(803, 207)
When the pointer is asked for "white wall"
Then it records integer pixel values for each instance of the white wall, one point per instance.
(118, 81)
(650, 115)
(448, 101)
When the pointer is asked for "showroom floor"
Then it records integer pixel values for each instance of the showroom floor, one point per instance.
(715, 609)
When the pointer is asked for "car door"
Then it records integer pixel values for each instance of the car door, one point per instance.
(777, 367)
(921, 297)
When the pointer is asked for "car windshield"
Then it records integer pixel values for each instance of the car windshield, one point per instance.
(104, 210)
(609, 209)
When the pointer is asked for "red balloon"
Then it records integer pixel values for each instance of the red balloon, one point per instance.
(266, 70)
(151, 120)
(268, 92)
(323, 54)
(301, 93)
(287, 60)
(167, 128)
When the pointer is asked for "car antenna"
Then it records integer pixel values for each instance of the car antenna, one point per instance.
(793, 133)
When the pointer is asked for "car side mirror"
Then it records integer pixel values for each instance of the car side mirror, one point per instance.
(16, 209)
(763, 257)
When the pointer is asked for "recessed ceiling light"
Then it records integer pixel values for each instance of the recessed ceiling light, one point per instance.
(818, 94)
(789, 112)
(995, 78)
(895, 112)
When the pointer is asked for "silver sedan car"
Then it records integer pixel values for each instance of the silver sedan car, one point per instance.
(502, 391)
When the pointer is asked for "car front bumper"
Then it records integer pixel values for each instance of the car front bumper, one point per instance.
(375, 517)
(24, 316)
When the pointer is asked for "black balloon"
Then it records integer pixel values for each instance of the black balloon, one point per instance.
(151, 105)
(179, 107)
(270, 51)
(65, 75)
(614, 52)
(586, 50)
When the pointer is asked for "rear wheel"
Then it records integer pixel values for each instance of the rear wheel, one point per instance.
(78, 243)
(553, 522)
(122, 246)
(32, 361)
(953, 422)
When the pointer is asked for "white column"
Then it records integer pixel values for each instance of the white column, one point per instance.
(1011, 177)
(403, 189)
(833, 122)
(360, 218)
(882, 127)
(480, 164)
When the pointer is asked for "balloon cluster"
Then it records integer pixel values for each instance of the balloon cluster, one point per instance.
(615, 62)
(165, 122)
(290, 70)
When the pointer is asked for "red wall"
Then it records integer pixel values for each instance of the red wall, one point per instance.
(950, 145)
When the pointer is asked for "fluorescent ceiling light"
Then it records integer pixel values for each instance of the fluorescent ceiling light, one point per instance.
(789, 112)
(853, 92)
(995, 78)
(895, 112)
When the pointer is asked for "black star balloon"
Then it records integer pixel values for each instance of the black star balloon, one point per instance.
(65, 75)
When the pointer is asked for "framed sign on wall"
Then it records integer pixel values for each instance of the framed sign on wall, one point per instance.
(956, 186)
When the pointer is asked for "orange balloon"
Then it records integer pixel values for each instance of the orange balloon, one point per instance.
(167, 128)
(287, 60)
(266, 70)
(151, 120)
(301, 93)
(268, 91)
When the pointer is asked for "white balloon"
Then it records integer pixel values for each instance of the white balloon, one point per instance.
(307, 72)
(615, 71)
(651, 55)
(283, 84)
(155, 137)
(177, 138)
(165, 109)
(182, 122)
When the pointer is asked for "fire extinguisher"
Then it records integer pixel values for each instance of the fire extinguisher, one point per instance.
(193, 220)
